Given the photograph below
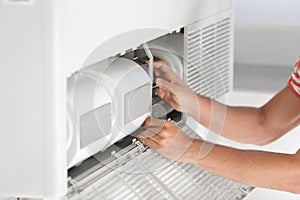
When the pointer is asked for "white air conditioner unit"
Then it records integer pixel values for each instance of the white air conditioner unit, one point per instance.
(71, 85)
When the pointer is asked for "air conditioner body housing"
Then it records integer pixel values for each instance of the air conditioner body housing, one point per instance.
(44, 44)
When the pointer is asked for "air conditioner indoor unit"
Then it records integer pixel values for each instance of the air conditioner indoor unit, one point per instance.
(76, 89)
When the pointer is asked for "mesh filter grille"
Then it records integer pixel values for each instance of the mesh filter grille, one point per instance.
(150, 176)
(209, 55)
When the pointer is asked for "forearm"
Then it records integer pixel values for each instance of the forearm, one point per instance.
(257, 168)
(236, 123)
(248, 124)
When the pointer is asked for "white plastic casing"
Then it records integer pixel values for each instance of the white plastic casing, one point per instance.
(42, 44)
(106, 102)
(130, 87)
(89, 117)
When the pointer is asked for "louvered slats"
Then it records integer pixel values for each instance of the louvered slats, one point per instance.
(209, 56)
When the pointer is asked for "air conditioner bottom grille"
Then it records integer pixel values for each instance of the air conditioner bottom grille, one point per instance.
(147, 175)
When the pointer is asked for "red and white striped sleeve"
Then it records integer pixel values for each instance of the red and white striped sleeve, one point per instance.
(294, 81)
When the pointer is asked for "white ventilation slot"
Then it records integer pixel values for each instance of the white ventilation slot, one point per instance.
(209, 55)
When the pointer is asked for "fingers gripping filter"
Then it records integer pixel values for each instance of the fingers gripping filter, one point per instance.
(170, 49)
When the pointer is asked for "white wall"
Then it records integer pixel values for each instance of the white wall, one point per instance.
(267, 32)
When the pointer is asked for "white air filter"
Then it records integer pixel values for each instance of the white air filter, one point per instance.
(89, 117)
(129, 87)
(170, 49)
(106, 102)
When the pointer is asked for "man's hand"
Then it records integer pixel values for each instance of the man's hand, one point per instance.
(168, 140)
(174, 91)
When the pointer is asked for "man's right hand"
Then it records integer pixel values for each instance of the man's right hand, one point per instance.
(174, 91)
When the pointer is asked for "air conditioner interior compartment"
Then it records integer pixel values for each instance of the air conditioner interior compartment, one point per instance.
(168, 47)
(107, 101)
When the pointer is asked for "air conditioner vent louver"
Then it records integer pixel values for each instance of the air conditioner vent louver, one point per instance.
(209, 56)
